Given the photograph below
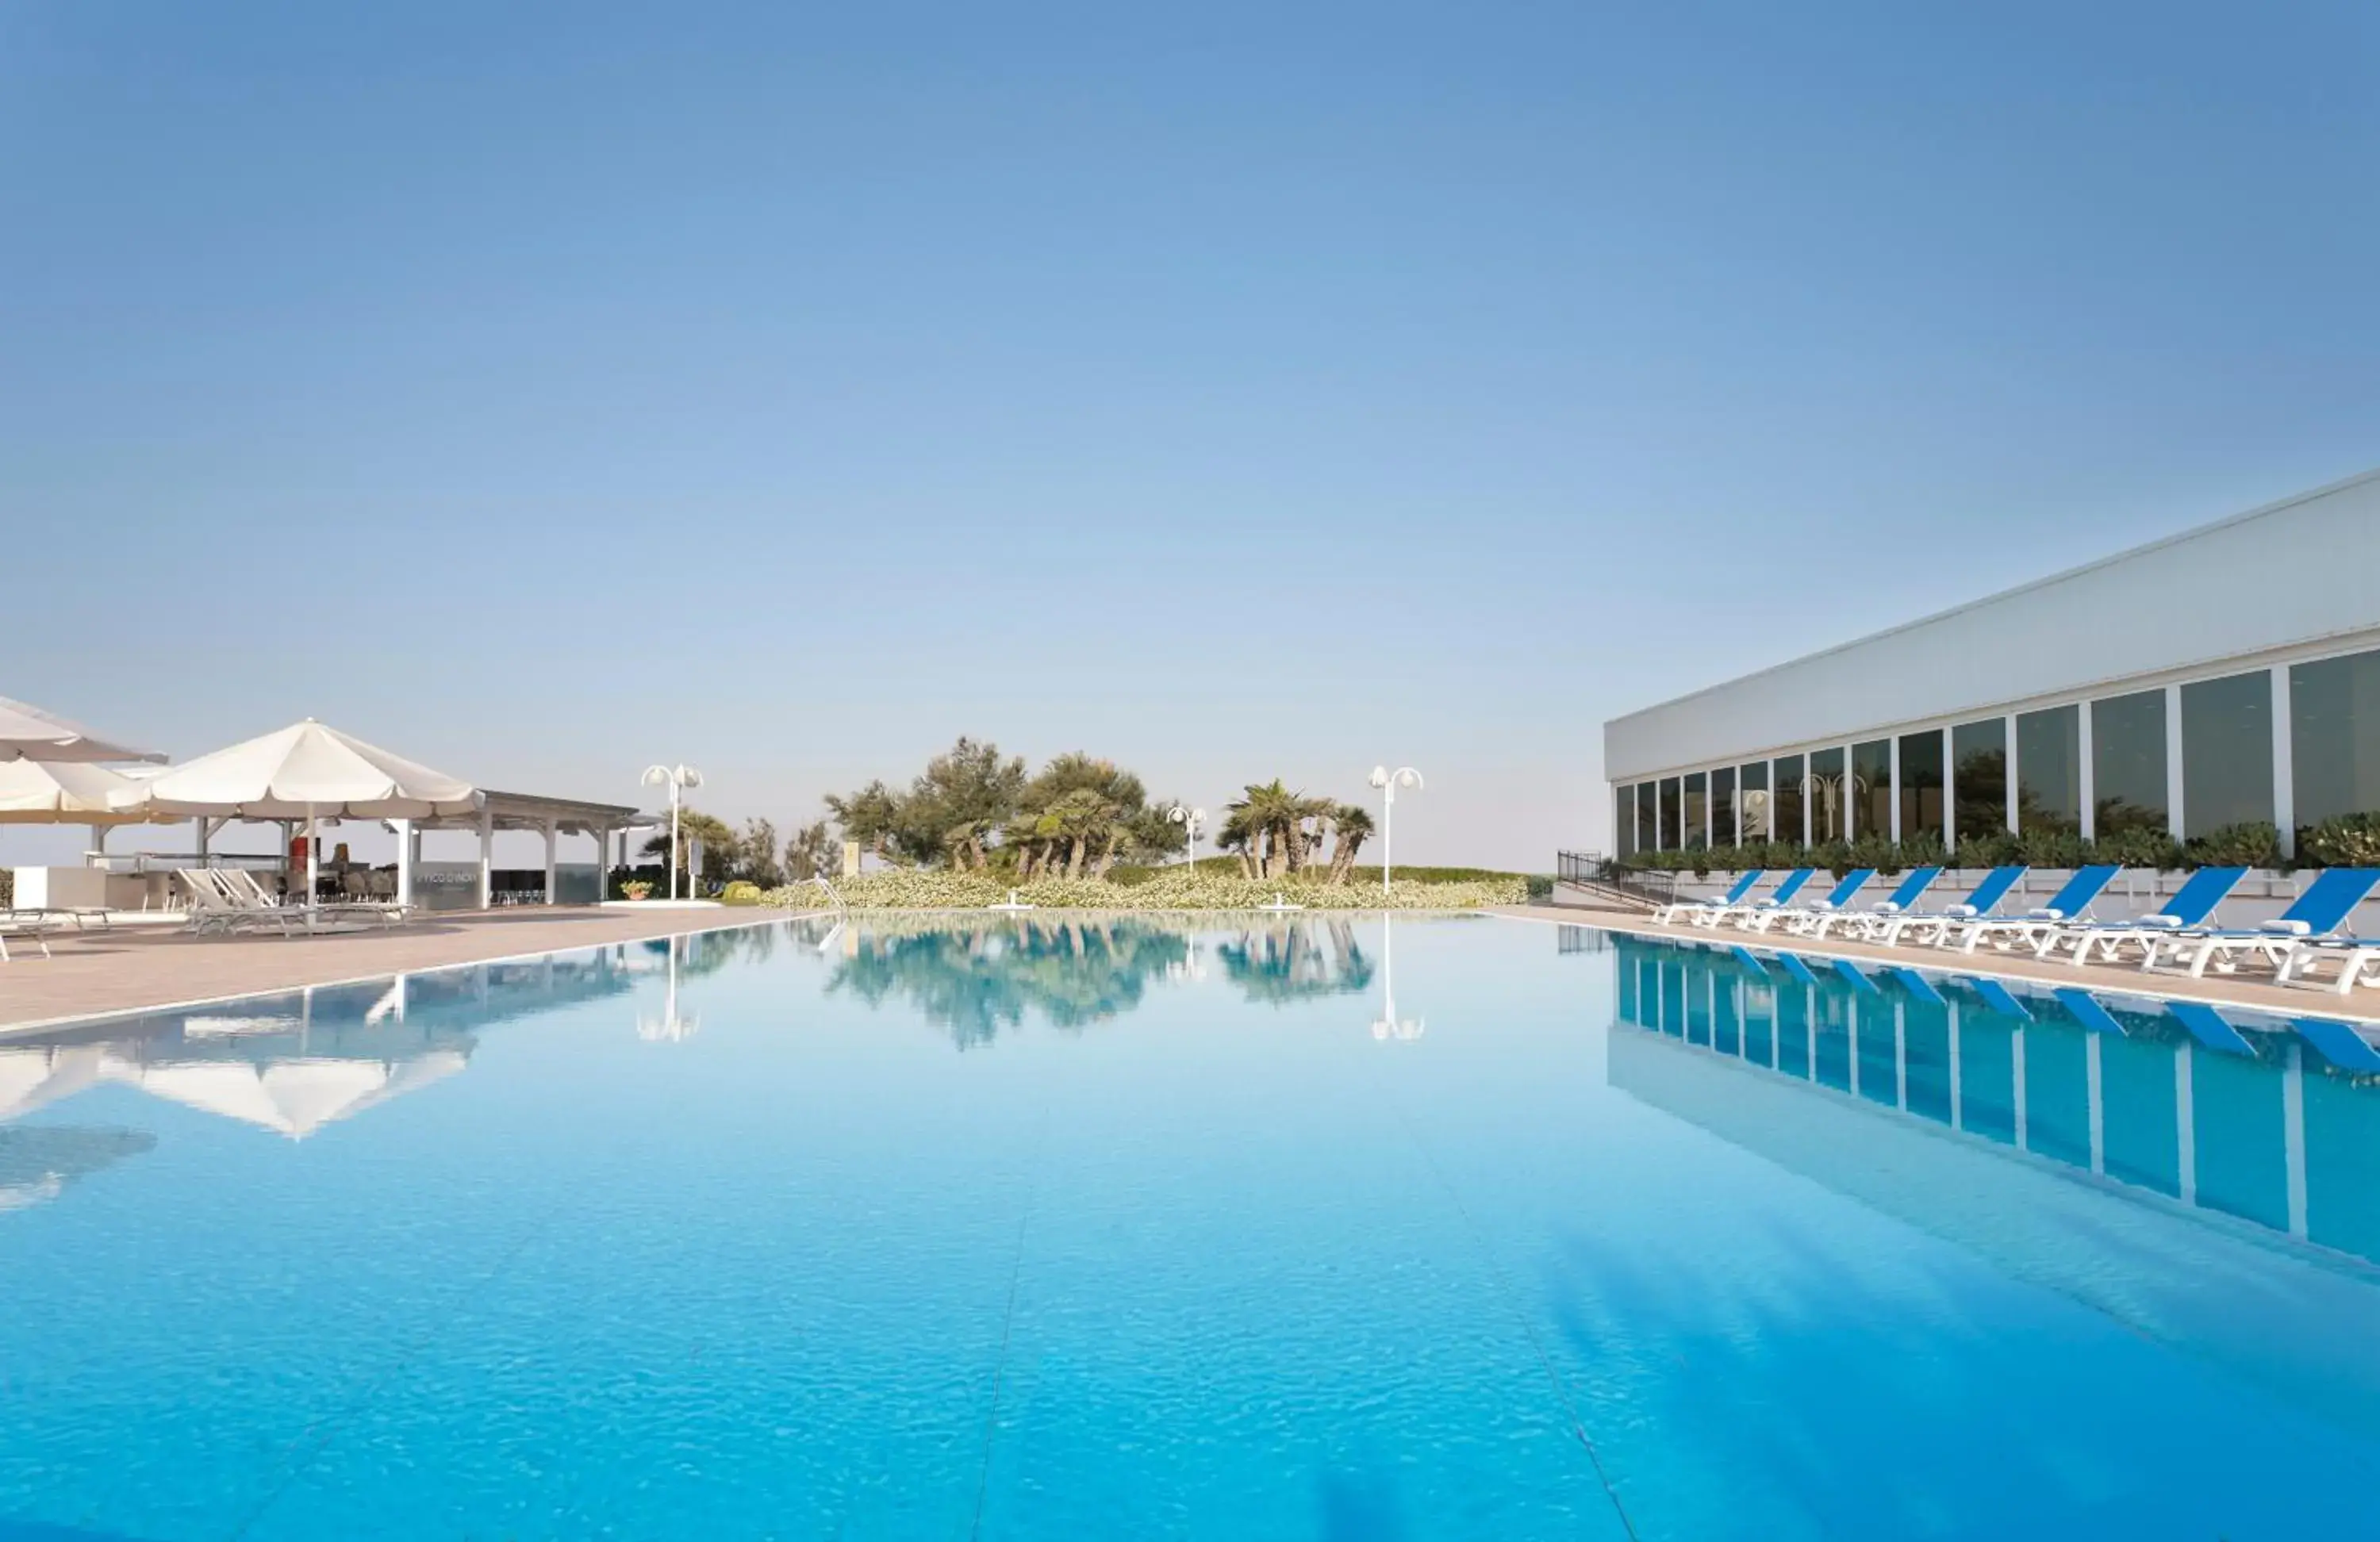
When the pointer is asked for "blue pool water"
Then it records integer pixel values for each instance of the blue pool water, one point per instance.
(1102, 1228)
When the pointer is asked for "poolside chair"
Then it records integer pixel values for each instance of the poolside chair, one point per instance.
(1799, 918)
(1864, 919)
(2189, 907)
(1786, 887)
(26, 925)
(2071, 903)
(1927, 925)
(1668, 915)
(2312, 925)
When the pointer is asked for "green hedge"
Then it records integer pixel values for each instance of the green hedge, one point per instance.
(2350, 841)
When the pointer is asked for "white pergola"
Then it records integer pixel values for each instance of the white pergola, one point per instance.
(550, 817)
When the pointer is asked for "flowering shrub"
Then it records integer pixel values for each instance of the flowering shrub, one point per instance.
(1170, 889)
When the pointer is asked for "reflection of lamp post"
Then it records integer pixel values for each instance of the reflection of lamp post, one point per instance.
(1388, 783)
(678, 778)
(1190, 818)
(669, 1026)
(1390, 1024)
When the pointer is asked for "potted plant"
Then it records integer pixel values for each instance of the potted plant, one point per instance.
(636, 889)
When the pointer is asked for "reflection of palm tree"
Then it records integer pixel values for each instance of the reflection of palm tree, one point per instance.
(1289, 963)
(976, 982)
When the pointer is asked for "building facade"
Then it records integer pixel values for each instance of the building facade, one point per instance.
(2228, 675)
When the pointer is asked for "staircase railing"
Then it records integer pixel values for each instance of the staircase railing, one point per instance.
(1598, 876)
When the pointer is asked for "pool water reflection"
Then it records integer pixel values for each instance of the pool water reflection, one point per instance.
(1078, 1226)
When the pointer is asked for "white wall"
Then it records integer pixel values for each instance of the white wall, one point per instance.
(2293, 573)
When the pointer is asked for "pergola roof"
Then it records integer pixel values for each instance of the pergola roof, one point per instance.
(530, 811)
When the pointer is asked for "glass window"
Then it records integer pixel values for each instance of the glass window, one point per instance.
(1753, 784)
(1979, 777)
(1827, 795)
(1872, 789)
(1722, 807)
(1670, 840)
(1623, 822)
(1785, 800)
(2334, 738)
(2128, 763)
(2226, 753)
(2049, 770)
(1921, 784)
(1648, 808)
(1697, 826)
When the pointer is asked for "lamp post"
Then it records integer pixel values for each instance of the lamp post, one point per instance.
(1387, 782)
(679, 778)
(1190, 818)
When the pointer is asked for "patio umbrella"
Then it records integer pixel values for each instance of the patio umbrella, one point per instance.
(30, 733)
(61, 792)
(308, 771)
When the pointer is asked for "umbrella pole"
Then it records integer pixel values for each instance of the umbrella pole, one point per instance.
(313, 856)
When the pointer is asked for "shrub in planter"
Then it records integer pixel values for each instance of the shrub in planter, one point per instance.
(636, 889)
(2141, 848)
(2052, 848)
(740, 892)
(1875, 851)
(2344, 841)
(2255, 844)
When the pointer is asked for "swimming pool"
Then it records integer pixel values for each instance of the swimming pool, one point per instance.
(1103, 1228)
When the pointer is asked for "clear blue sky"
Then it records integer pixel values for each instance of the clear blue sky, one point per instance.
(546, 390)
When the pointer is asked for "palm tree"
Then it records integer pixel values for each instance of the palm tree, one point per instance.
(1352, 826)
(1273, 816)
(1239, 836)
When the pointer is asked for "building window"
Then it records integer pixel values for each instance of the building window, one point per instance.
(1827, 795)
(1921, 784)
(1648, 812)
(2128, 764)
(1697, 824)
(1785, 800)
(1623, 822)
(2226, 753)
(1872, 789)
(1722, 807)
(1752, 783)
(2334, 738)
(1979, 777)
(2049, 771)
(1671, 838)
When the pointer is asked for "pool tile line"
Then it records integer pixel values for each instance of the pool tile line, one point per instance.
(1008, 1318)
(1505, 1290)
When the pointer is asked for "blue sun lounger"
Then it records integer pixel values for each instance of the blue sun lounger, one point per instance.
(1798, 919)
(1786, 887)
(1667, 914)
(1927, 925)
(1868, 919)
(2073, 900)
(2189, 907)
(2315, 921)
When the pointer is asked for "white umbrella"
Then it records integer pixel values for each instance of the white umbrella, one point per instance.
(308, 771)
(61, 792)
(30, 733)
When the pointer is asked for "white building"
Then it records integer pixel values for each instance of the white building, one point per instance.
(2226, 675)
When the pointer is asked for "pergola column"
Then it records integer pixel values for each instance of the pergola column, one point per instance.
(550, 895)
(487, 857)
(602, 862)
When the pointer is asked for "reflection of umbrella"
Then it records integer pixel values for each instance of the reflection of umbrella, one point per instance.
(30, 733)
(305, 771)
(61, 792)
(295, 1096)
(39, 1074)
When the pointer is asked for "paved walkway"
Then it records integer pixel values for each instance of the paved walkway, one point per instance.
(2257, 994)
(132, 968)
